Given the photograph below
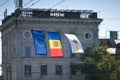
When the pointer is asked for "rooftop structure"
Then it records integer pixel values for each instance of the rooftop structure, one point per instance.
(54, 13)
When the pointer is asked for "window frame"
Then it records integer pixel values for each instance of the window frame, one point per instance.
(58, 70)
(43, 70)
(26, 69)
(88, 36)
(27, 51)
(27, 37)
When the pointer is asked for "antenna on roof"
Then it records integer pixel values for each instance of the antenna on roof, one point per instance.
(5, 13)
(19, 3)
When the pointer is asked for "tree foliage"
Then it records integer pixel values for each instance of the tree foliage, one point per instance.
(99, 65)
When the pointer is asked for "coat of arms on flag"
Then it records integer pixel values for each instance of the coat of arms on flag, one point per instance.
(76, 46)
(55, 44)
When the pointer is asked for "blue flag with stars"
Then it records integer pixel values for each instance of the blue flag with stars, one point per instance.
(39, 42)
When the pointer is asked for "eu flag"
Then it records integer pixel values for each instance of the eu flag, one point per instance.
(39, 42)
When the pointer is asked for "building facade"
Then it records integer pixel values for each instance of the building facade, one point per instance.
(19, 59)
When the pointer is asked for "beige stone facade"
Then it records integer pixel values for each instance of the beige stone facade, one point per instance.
(17, 39)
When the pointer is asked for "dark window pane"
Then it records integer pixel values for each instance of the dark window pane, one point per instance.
(27, 51)
(27, 34)
(88, 35)
(72, 70)
(43, 69)
(58, 70)
(27, 70)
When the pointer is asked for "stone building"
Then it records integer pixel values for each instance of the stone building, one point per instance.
(19, 61)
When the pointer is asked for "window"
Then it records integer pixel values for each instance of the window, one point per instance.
(88, 36)
(27, 70)
(43, 69)
(58, 70)
(27, 51)
(74, 68)
(72, 32)
(27, 34)
(8, 73)
(73, 54)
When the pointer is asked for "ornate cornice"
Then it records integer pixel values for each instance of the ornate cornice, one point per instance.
(17, 21)
(61, 21)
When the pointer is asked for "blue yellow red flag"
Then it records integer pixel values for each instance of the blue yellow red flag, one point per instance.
(55, 45)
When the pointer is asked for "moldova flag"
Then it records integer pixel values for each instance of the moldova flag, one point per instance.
(55, 45)
(39, 42)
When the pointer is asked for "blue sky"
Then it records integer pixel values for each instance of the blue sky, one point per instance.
(108, 10)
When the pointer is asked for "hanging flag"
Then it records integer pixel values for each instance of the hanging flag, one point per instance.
(75, 43)
(55, 44)
(39, 42)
